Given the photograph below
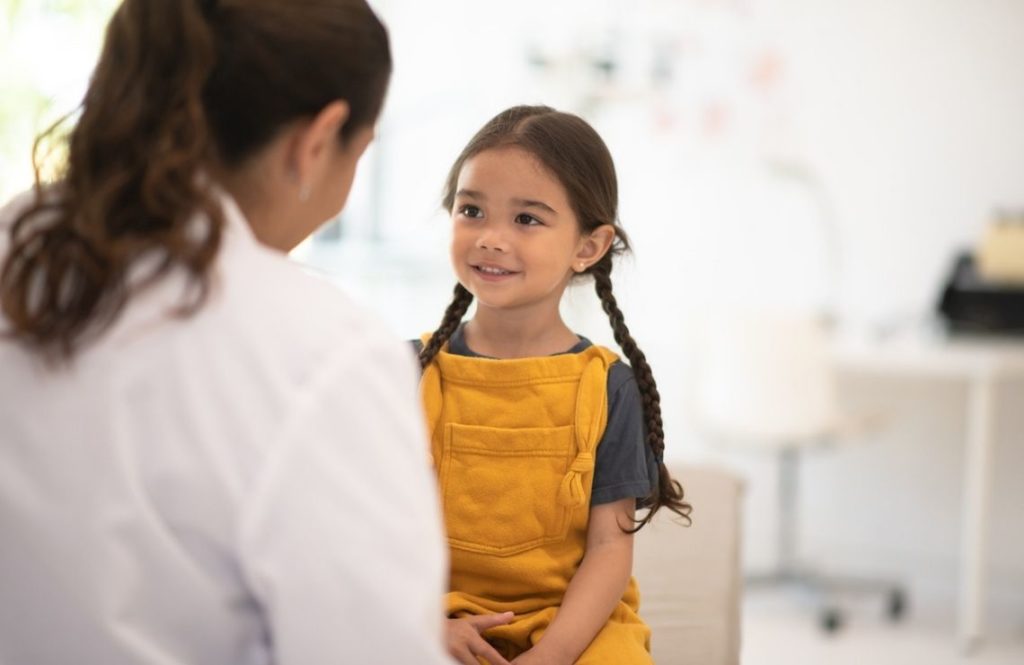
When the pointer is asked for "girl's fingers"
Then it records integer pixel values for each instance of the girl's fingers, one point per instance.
(485, 621)
(466, 644)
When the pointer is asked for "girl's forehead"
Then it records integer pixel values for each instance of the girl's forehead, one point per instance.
(508, 167)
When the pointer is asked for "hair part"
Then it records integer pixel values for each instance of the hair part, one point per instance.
(569, 148)
(179, 86)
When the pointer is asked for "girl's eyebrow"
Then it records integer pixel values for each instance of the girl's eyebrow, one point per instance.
(527, 203)
(522, 203)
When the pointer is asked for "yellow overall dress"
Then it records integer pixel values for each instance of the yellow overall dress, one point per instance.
(513, 443)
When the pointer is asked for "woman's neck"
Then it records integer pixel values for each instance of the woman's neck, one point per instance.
(504, 334)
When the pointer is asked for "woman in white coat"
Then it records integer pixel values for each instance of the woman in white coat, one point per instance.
(207, 456)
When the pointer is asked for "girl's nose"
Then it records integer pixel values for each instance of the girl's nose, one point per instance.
(491, 239)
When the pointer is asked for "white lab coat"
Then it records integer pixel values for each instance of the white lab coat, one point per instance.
(248, 485)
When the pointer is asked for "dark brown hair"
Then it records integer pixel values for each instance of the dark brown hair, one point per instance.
(574, 153)
(179, 85)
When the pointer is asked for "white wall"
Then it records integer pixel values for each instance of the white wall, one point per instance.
(911, 112)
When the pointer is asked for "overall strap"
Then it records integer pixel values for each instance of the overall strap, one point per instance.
(430, 394)
(591, 413)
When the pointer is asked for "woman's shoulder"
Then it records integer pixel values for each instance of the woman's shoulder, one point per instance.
(263, 309)
(276, 303)
(256, 282)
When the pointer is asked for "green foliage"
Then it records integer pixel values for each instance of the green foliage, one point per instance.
(35, 52)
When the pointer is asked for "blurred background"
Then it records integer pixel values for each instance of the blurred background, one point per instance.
(818, 163)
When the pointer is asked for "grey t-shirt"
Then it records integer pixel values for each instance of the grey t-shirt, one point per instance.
(625, 466)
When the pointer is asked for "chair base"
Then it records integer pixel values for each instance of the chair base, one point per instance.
(791, 572)
(828, 589)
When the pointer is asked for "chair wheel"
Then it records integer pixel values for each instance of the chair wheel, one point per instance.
(896, 606)
(831, 620)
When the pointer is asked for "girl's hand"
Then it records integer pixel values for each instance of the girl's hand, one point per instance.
(465, 642)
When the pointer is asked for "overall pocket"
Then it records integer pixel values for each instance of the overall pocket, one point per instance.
(500, 487)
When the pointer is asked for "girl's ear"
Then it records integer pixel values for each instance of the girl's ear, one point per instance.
(593, 246)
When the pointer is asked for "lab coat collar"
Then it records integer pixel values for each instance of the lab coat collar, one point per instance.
(235, 221)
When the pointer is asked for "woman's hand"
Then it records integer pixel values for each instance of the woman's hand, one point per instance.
(465, 642)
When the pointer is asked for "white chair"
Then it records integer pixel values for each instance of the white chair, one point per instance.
(764, 380)
(689, 577)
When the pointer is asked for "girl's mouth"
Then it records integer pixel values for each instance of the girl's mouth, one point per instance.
(493, 273)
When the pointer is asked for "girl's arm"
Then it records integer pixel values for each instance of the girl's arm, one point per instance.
(595, 589)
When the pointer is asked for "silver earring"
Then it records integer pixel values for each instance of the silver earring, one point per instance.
(304, 191)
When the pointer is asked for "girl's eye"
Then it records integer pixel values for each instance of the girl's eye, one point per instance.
(527, 220)
(471, 211)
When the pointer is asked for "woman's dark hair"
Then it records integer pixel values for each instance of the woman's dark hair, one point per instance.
(180, 85)
(574, 153)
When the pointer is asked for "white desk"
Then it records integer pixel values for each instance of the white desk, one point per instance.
(982, 364)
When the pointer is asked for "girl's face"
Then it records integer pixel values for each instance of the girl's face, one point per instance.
(516, 240)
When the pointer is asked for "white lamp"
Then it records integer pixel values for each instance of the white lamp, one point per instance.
(765, 379)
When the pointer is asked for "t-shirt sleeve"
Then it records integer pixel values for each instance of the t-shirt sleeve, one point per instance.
(625, 466)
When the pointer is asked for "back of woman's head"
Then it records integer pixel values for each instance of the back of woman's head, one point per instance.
(573, 153)
(180, 86)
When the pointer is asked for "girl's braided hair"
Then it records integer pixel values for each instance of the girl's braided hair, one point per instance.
(575, 154)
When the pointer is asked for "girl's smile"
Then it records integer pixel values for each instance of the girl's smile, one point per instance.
(493, 273)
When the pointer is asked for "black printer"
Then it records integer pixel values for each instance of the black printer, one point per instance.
(970, 303)
(985, 292)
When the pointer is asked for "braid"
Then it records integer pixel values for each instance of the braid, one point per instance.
(452, 318)
(668, 492)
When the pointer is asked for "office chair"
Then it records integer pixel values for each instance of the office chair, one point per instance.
(764, 380)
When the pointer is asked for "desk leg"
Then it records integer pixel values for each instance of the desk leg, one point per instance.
(977, 497)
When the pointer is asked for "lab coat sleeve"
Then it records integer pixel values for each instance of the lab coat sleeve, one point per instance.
(342, 542)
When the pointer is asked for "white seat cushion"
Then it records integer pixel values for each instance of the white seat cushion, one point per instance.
(689, 577)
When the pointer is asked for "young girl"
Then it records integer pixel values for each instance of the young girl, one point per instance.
(544, 443)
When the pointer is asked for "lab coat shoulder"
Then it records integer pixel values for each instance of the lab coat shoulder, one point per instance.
(345, 504)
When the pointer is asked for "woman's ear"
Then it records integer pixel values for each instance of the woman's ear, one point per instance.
(313, 143)
(593, 246)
